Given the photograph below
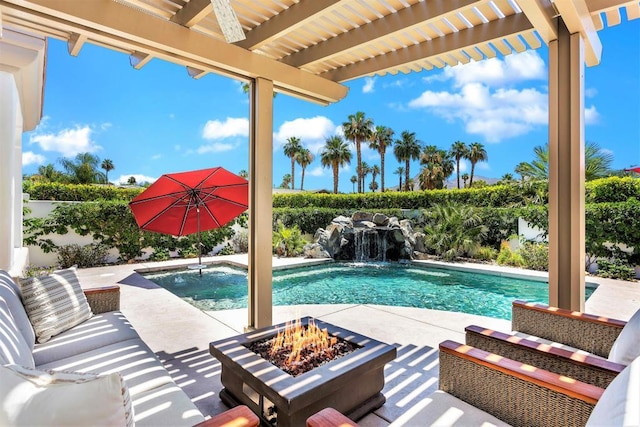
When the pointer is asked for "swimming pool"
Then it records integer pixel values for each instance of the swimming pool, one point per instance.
(223, 287)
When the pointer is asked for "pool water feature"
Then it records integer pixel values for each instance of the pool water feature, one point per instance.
(404, 285)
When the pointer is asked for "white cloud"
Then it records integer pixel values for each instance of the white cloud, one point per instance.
(31, 158)
(498, 72)
(317, 171)
(69, 142)
(215, 129)
(496, 115)
(156, 156)
(591, 115)
(216, 147)
(369, 83)
(312, 132)
(123, 179)
(590, 92)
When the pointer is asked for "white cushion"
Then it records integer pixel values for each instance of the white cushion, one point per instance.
(54, 303)
(13, 348)
(626, 347)
(620, 402)
(11, 293)
(32, 397)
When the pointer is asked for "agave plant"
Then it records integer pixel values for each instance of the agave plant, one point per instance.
(454, 231)
(288, 242)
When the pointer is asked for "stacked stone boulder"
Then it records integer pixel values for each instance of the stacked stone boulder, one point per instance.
(339, 239)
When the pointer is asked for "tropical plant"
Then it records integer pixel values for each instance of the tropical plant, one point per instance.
(286, 181)
(375, 171)
(107, 165)
(353, 180)
(506, 179)
(291, 150)
(49, 173)
(381, 139)
(365, 170)
(535, 255)
(407, 148)
(131, 180)
(399, 172)
(243, 174)
(615, 269)
(509, 257)
(476, 154)
(335, 154)
(520, 169)
(597, 163)
(453, 230)
(288, 242)
(459, 151)
(91, 255)
(358, 128)
(83, 169)
(304, 159)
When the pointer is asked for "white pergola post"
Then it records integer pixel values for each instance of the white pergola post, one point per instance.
(260, 203)
(566, 170)
(10, 139)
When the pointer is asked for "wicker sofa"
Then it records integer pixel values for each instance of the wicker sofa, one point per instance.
(104, 344)
(481, 388)
(586, 347)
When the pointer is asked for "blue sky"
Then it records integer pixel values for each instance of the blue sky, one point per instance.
(159, 120)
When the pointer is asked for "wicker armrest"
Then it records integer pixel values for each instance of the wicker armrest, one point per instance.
(589, 369)
(594, 334)
(102, 300)
(329, 417)
(514, 392)
(238, 416)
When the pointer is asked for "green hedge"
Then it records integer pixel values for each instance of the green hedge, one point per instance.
(77, 192)
(612, 189)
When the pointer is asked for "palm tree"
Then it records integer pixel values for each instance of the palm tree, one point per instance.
(477, 153)
(459, 150)
(407, 148)
(454, 230)
(304, 159)
(286, 181)
(83, 169)
(506, 179)
(438, 167)
(353, 180)
(364, 171)
(356, 129)
(520, 169)
(375, 171)
(399, 172)
(243, 174)
(597, 163)
(381, 139)
(131, 180)
(291, 149)
(335, 154)
(49, 173)
(107, 165)
(465, 178)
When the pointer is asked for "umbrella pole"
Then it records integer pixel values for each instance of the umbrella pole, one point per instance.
(199, 245)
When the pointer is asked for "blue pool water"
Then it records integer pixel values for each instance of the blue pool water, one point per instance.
(222, 287)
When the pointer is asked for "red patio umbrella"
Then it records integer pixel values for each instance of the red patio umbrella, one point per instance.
(635, 169)
(189, 202)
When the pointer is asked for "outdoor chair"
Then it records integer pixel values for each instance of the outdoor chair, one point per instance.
(239, 416)
(586, 347)
(481, 388)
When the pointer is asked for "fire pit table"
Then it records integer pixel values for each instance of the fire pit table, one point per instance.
(349, 379)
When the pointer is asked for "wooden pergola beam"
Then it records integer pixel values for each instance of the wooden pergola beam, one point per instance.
(75, 43)
(540, 13)
(192, 13)
(577, 18)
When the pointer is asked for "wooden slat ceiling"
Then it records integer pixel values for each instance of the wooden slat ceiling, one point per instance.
(337, 40)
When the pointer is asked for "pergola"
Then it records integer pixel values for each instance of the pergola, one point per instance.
(307, 48)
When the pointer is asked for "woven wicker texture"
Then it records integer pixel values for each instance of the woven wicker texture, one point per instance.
(592, 337)
(102, 302)
(560, 365)
(515, 401)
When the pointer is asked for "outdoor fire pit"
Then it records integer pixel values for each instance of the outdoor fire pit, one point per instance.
(340, 369)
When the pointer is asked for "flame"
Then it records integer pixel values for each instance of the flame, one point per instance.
(296, 338)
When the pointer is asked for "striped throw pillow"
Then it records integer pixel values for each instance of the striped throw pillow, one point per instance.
(55, 398)
(54, 303)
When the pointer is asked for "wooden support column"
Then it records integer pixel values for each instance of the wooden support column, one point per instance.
(260, 203)
(566, 170)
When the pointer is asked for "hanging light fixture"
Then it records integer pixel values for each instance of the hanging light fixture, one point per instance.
(228, 21)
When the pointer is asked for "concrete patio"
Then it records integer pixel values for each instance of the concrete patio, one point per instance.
(180, 333)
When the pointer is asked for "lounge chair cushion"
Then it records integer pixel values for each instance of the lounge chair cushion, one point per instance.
(13, 348)
(10, 291)
(100, 331)
(54, 303)
(625, 348)
(165, 406)
(442, 409)
(620, 402)
(34, 397)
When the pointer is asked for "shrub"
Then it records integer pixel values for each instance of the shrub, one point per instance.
(226, 250)
(485, 253)
(188, 252)
(615, 269)
(535, 255)
(240, 242)
(509, 257)
(37, 271)
(85, 256)
(77, 192)
(288, 242)
(453, 231)
(160, 254)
